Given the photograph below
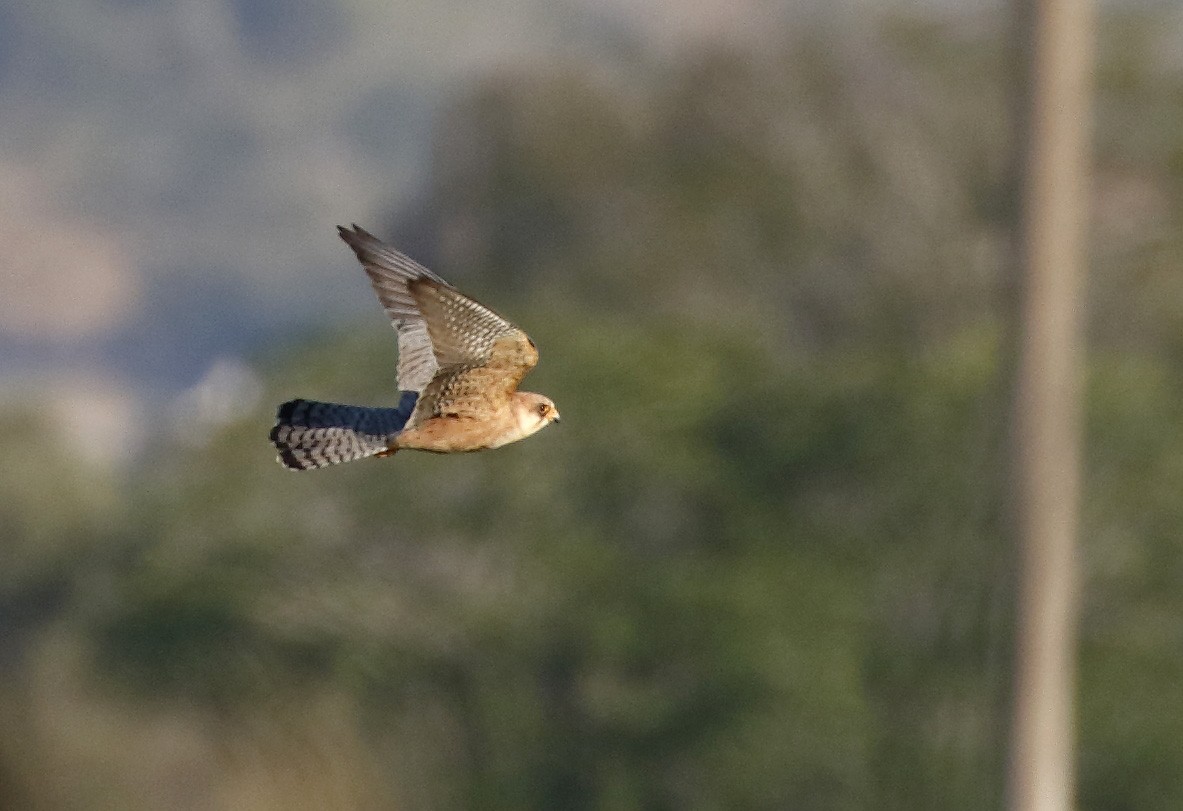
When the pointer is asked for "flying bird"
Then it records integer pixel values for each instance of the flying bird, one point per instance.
(459, 366)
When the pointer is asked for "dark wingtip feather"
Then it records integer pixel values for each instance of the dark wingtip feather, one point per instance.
(356, 239)
(354, 233)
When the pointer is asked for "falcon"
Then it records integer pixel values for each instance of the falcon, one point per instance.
(459, 366)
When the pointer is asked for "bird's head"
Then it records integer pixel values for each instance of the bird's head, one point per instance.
(534, 412)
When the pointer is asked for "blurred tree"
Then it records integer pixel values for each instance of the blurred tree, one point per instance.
(58, 512)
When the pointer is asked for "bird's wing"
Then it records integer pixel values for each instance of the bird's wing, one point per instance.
(469, 392)
(390, 272)
(461, 356)
(482, 357)
(467, 333)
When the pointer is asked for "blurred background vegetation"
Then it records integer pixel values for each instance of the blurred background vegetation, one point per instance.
(763, 562)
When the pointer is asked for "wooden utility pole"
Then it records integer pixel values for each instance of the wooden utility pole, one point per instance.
(1054, 189)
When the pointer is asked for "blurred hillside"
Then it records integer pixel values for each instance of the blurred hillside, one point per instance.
(762, 563)
(162, 165)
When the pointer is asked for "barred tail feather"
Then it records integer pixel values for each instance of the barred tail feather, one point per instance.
(310, 434)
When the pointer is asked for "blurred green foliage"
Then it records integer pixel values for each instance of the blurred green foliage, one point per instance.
(762, 563)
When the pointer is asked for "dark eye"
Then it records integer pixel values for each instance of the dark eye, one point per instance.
(542, 410)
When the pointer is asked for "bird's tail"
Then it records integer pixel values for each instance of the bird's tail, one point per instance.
(309, 434)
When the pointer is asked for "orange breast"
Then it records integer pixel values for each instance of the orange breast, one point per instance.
(458, 434)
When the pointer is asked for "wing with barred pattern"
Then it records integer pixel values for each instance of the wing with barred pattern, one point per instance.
(390, 271)
(465, 359)
(482, 356)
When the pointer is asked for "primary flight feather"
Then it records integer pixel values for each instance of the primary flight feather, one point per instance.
(459, 366)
